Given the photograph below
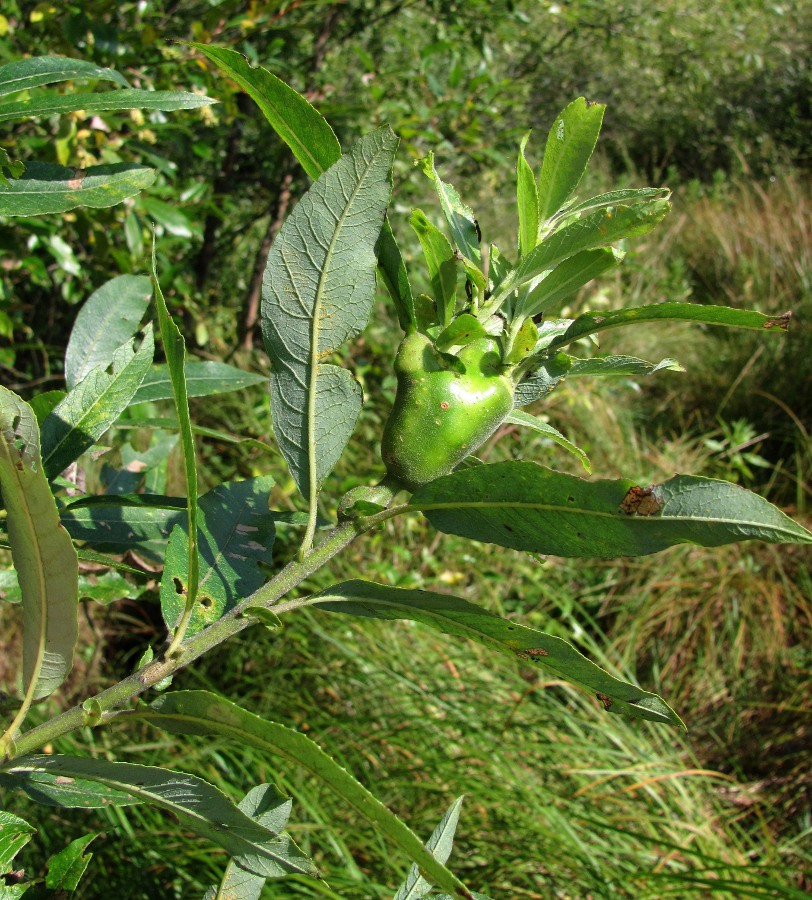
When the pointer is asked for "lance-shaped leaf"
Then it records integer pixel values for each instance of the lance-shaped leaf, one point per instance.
(43, 555)
(200, 712)
(453, 615)
(292, 117)
(235, 536)
(525, 506)
(65, 869)
(599, 229)
(267, 806)
(439, 844)
(593, 322)
(93, 405)
(203, 378)
(518, 417)
(569, 147)
(624, 197)
(318, 288)
(568, 277)
(199, 806)
(108, 319)
(48, 104)
(560, 366)
(441, 264)
(527, 200)
(48, 188)
(460, 218)
(39, 70)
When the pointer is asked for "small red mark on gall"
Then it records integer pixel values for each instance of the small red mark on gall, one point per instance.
(444, 404)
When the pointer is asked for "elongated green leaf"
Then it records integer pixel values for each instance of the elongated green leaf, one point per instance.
(439, 845)
(236, 534)
(527, 200)
(599, 229)
(395, 278)
(199, 712)
(175, 351)
(517, 417)
(39, 70)
(318, 288)
(94, 405)
(560, 366)
(203, 378)
(201, 808)
(267, 806)
(460, 218)
(625, 197)
(568, 277)
(43, 555)
(48, 188)
(526, 507)
(117, 529)
(66, 868)
(592, 323)
(441, 263)
(453, 615)
(109, 318)
(127, 98)
(569, 147)
(299, 125)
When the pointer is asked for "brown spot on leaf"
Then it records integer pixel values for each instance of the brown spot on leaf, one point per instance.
(781, 321)
(605, 700)
(75, 183)
(535, 652)
(641, 502)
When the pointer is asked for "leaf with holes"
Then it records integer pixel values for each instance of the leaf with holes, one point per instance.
(235, 538)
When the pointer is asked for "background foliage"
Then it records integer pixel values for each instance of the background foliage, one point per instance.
(722, 115)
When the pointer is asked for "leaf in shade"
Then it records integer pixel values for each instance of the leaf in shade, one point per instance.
(453, 615)
(200, 712)
(39, 70)
(90, 408)
(318, 288)
(525, 506)
(50, 103)
(569, 147)
(235, 536)
(593, 322)
(109, 318)
(203, 378)
(392, 271)
(42, 552)
(114, 528)
(48, 188)
(199, 806)
(439, 845)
